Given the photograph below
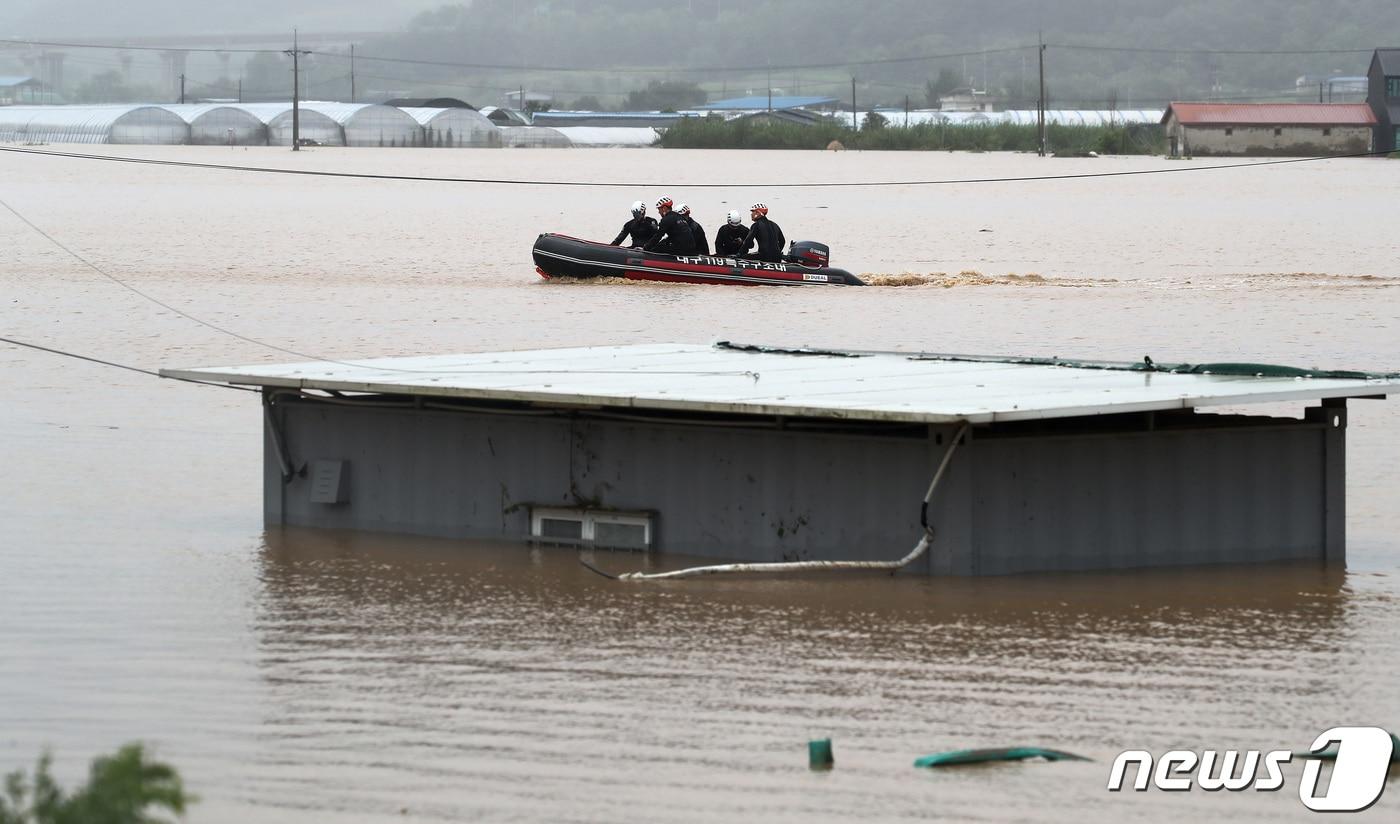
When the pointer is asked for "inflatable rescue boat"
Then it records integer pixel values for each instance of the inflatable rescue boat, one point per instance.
(804, 265)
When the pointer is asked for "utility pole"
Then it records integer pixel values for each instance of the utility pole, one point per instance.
(854, 122)
(182, 89)
(352, 72)
(296, 54)
(906, 111)
(240, 90)
(1040, 106)
(770, 90)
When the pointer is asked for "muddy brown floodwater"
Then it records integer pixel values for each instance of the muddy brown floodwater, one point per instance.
(298, 675)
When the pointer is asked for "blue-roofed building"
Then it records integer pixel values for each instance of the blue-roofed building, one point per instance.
(756, 102)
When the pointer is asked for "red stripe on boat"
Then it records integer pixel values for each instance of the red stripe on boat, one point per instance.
(732, 271)
(681, 277)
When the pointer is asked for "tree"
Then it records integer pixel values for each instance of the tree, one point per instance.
(946, 82)
(111, 87)
(588, 103)
(665, 95)
(268, 76)
(874, 120)
(120, 790)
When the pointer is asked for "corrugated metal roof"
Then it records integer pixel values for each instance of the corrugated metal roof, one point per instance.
(606, 119)
(1271, 114)
(872, 386)
(761, 102)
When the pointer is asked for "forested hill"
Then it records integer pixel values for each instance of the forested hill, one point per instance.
(1124, 53)
(1146, 49)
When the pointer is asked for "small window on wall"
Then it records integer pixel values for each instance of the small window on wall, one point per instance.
(1278, 132)
(1326, 132)
(592, 527)
(1392, 87)
(1229, 132)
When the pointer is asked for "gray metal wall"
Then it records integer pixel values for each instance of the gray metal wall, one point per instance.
(1149, 499)
(1216, 491)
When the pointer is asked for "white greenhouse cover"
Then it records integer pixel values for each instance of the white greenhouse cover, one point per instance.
(607, 136)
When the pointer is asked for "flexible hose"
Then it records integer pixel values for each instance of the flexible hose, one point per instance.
(810, 566)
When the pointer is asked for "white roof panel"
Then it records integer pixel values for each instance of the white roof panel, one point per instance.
(870, 386)
(609, 136)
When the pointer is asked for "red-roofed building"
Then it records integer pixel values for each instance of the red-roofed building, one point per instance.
(1294, 129)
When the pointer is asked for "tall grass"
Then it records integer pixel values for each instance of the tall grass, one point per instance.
(713, 133)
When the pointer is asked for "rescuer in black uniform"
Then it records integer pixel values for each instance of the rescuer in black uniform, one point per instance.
(673, 235)
(731, 237)
(702, 244)
(640, 227)
(767, 234)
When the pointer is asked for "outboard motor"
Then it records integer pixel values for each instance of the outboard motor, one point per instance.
(809, 253)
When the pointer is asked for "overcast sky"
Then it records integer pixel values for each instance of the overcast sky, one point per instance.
(115, 18)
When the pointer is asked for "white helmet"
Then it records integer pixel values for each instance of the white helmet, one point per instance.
(638, 208)
(683, 209)
(735, 218)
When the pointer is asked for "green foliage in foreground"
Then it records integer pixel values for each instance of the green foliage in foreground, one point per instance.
(714, 133)
(120, 790)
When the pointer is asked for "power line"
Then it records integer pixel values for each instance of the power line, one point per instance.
(679, 69)
(287, 351)
(1079, 47)
(116, 365)
(530, 68)
(135, 48)
(94, 267)
(674, 184)
(654, 69)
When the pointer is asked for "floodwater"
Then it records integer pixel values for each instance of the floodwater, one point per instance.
(298, 675)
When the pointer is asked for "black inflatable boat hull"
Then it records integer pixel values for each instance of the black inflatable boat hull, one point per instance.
(564, 256)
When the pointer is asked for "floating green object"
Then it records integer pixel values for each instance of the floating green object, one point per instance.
(1330, 754)
(819, 754)
(957, 758)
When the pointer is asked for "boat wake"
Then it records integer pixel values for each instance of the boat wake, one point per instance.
(970, 277)
(1234, 281)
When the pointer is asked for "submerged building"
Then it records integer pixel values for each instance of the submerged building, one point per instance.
(92, 124)
(347, 124)
(770, 455)
(248, 124)
(219, 124)
(453, 127)
(533, 137)
(1268, 128)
